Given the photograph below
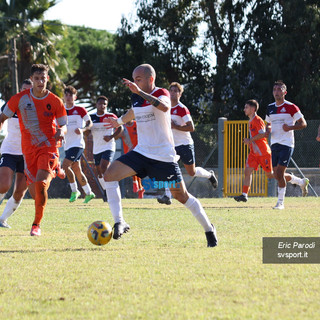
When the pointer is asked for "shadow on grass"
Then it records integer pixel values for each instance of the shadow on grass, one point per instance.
(52, 250)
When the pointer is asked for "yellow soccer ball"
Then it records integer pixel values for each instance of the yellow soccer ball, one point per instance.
(99, 233)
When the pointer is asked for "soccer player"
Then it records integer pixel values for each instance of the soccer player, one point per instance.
(260, 152)
(78, 122)
(11, 162)
(154, 155)
(38, 111)
(129, 141)
(104, 145)
(182, 125)
(283, 117)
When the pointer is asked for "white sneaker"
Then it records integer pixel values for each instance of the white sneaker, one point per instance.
(4, 224)
(304, 187)
(279, 206)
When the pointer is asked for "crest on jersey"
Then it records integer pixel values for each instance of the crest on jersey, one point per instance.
(283, 109)
(49, 106)
(75, 112)
(175, 111)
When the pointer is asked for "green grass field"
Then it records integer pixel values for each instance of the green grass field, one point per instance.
(162, 268)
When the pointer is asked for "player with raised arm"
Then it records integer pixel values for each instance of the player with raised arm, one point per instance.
(78, 122)
(104, 145)
(38, 111)
(154, 155)
(260, 152)
(182, 125)
(11, 162)
(283, 118)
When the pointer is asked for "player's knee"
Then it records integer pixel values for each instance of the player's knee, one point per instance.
(182, 197)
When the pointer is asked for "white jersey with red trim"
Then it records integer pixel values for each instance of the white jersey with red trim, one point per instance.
(180, 114)
(287, 113)
(12, 141)
(155, 139)
(77, 117)
(100, 129)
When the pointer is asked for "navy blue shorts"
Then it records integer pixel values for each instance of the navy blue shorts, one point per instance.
(281, 155)
(159, 170)
(74, 154)
(106, 155)
(12, 161)
(186, 153)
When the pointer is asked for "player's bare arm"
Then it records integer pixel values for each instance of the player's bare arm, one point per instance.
(115, 135)
(60, 134)
(86, 127)
(299, 125)
(114, 123)
(3, 118)
(188, 127)
(158, 103)
(255, 138)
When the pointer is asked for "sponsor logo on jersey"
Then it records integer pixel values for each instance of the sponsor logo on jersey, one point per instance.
(146, 117)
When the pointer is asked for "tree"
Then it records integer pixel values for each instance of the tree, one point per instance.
(22, 20)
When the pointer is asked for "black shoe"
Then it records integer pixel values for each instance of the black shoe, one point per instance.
(241, 198)
(119, 229)
(213, 180)
(212, 240)
(164, 200)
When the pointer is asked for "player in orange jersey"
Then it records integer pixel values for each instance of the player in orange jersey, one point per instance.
(260, 152)
(129, 141)
(38, 111)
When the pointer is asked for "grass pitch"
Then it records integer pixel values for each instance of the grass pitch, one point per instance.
(161, 269)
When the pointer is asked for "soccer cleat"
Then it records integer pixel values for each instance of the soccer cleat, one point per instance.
(141, 193)
(213, 180)
(89, 197)
(240, 198)
(74, 196)
(119, 229)
(35, 230)
(212, 240)
(304, 187)
(4, 224)
(279, 206)
(164, 200)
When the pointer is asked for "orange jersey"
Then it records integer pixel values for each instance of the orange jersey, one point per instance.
(259, 147)
(37, 118)
(132, 132)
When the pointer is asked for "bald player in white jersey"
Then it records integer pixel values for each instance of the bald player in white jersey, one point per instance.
(154, 155)
(11, 162)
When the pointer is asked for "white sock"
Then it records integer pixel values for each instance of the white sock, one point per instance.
(74, 187)
(203, 173)
(281, 194)
(114, 200)
(102, 183)
(11, 206)
(296, 180)
(194, 205)
(245, 194)
(86, 188)
(2, 196)
(167, 193)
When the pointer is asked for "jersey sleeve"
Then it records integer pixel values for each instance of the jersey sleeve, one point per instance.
(11, 107)
(61, 113)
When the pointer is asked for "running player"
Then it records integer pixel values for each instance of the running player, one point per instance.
(260, 152)
(154, 155)
(38, 111)
(78, 122)
(283, 117)
(129, 141)
(104, 145)
(12, 162)
(182, 125)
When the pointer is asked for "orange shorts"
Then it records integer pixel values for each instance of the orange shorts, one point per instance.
(43, 158)
(253, 161)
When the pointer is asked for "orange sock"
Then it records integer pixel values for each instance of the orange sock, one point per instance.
(245, 189)
(135, 184)
(41, 190)
(139, 183)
